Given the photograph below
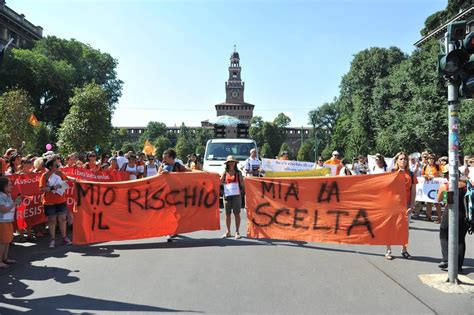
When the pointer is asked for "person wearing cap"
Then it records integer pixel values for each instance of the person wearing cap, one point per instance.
(233, 189)
(443, 164)
(334, 160)
(113, 164)
(253, 166)
(284, 156)
(51, 184)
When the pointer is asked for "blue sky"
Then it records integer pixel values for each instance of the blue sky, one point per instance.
(173, 55)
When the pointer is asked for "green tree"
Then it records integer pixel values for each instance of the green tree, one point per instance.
(323, 120)
(51, 70)
(14, 121)
(153, 130)
(118, 137)
(89, 121)
(305, 152)
(41, 139)
(184, 144)
(286, 147)
(161, 144)
(266, 152)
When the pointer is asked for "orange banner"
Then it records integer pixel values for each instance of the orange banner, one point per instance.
(367, 209)
(149, 207)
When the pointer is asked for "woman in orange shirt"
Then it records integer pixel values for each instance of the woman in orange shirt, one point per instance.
(91, 163)
(401, 165)
(54, 200)
(431, 171)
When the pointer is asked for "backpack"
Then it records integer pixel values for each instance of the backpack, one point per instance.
(145, 169)
(469, 205)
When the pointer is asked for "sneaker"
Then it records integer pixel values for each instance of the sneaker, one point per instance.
(67, 241)
(388, 255)
(51, 244)
(443, 265)
(237, 235)
(406, 255)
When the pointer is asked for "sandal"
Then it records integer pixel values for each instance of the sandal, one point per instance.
(226, 235)
(406, 255)
(9, 261)
(437, 222)
(4, 266)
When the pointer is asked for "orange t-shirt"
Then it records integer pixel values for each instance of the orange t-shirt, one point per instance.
(408, 182)
(331, 161)
(91, 166)
(429, 171)
(50, 198)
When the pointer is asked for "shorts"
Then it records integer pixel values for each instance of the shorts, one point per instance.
(6, 232)
(233, 204)
(51, 211)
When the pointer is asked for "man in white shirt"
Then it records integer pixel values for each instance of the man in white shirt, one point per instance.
(121, 160)
(253, 166)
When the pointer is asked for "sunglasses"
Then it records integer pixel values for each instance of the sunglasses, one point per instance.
(92, 155)
(402, 159)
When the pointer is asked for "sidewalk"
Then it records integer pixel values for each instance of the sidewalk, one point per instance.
(268, 276)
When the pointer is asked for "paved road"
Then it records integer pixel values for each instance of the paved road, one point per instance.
(201, 273)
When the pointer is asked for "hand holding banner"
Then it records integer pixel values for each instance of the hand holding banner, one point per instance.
(150, 207)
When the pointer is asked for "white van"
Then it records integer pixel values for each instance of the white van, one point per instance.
(217, 151)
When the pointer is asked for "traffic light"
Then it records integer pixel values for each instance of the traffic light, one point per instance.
(242, 131)
(452, 63)
(458, 64)
(219, 131)
(467, 76)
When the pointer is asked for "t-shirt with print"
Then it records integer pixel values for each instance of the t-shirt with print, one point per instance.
(252, 167)
(49, 197)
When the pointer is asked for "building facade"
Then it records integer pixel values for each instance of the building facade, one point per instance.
(466, 15)
(235, 107)
(234, 104)
(16, 26)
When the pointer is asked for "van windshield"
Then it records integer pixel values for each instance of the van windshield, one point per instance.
(220, 151)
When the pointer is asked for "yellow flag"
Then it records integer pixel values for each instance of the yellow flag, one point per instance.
(33, 120)
(148, 148)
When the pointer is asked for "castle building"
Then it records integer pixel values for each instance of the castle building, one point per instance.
(14, 25)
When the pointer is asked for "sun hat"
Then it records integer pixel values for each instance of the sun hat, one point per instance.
(230, 158)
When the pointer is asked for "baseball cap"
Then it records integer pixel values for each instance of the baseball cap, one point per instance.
(335, 153)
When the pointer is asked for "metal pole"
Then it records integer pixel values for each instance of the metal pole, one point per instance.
(316, 144)
(453, 143)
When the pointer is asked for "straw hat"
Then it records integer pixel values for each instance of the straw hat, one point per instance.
(230, 158)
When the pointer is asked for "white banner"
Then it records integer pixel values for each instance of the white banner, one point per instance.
(427, 190)
(272, 165)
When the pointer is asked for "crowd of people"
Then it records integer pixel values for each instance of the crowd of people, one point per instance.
(141, 165)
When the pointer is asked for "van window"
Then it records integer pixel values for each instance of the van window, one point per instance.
(220, 151)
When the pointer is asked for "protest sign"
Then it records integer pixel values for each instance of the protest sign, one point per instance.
(350, 209)
(307, 173)
(272, 165)
(31, 212)
(427, 190)
(156, 206)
